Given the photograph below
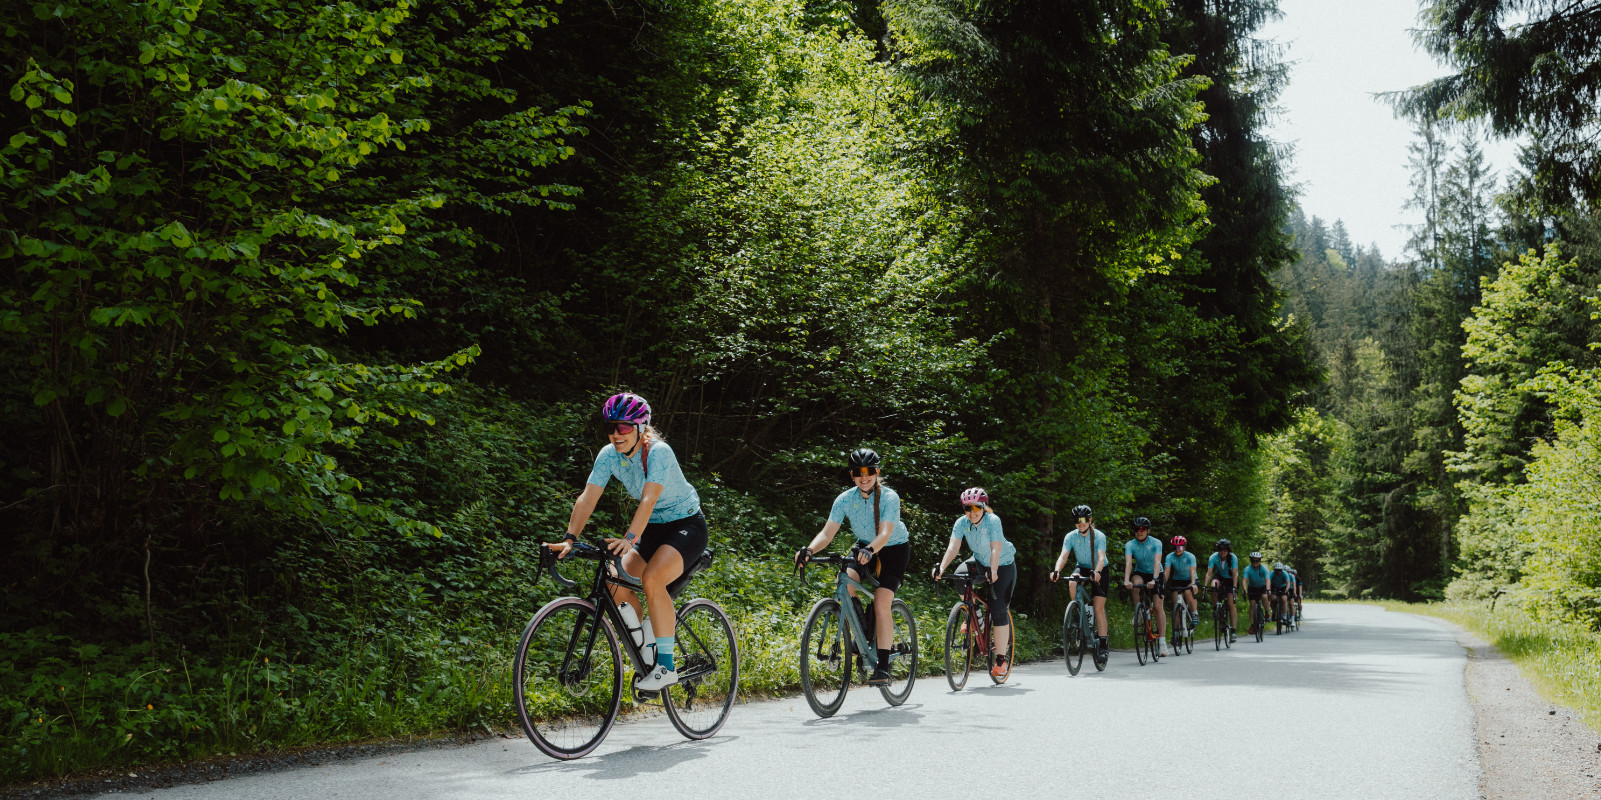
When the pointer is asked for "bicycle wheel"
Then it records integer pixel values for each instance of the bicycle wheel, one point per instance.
(1142, 619)
(902, 655)
(708, 670)
(1278, 617)
(1073, 643)
(1258, 622)
(825, 662)
(1218, 626)
(1153, 638)
(958, 647)
(1011, 647)
(567, 678)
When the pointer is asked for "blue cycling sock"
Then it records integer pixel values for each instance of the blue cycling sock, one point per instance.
(664, 651)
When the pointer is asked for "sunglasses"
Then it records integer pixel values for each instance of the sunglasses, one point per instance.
(1084, 520)
(863, 472)
(623, 428)
(972, 508)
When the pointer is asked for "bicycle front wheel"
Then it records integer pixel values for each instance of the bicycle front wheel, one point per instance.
(1258, 622)
(958, 647)
(1011, 647)
(708, 670)
(1073, 639)
(1142, 626)
(567, 678)
(825, 661)
(1219, 625)
(902, 654)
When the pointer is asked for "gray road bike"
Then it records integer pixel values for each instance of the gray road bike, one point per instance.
(837, 636)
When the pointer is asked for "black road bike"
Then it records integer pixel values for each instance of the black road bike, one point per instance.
(568, 674)
(1220, 620)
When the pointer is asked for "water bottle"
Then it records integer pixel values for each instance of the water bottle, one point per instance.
(636, 630)
(648, 650)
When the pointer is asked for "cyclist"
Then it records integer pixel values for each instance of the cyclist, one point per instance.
(981, 528)
(1223, 574)
(666, 533)
(1140, 557)
(883, 545)
(1087, 544)
(1255, 578)
(1282, 585)
(1178, 577)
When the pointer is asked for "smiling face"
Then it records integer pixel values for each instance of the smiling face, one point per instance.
(1083, 524)
(624, 442)
(1141, 533)
(974, 514)
(864, 483)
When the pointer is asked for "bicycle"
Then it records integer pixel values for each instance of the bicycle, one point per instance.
(967, 633)
(568, 676)
(1146, 636)
(1078, 628)
(1182, 624)
(1220, 620)
(830, 640)
(1259, 617)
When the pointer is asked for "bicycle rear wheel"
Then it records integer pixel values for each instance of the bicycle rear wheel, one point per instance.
(1011, 647)
(1142, 619)
(567, 678)
(708, 670)
(958, 647)
(1073, 642)
(1278, 615)
(1258, 622)
(1219, 625)
(902, 655)
(825, 661)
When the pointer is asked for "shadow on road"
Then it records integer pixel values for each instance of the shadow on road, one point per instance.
(636, 760)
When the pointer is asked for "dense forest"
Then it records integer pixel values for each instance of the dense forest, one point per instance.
(307, 310)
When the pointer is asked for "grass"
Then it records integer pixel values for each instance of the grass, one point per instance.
(1561, 660)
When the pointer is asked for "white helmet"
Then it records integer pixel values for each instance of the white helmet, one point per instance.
(1278, 565)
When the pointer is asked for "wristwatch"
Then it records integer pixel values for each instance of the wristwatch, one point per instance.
(629, 537)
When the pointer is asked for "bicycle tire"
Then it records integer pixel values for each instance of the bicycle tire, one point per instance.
(1011, 647)
(573, 705)
(1153, 637)
(1073, 643)
(958, 647)
(1189, 632)
(1258, 622)
(1218, 626)
(1142, 626)
(825, 660)
(707, 661)
(902, 654)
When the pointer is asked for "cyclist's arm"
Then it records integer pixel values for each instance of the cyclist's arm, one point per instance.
(1128, 565)
(886, 529)
(583, 507)
(950, 555)
(824, 537)
(995, 560)
(647, 504)
(1101, 563)
(1061, 561)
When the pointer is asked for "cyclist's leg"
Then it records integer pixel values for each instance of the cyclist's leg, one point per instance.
(1000, 602)
(668, 547)
(633, 564)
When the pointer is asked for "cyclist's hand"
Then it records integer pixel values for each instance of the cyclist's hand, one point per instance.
(801, 555)
(620, 547)
(1055, 575)
(864, 555)
(562, 548)
(936, 573)
(1128, 584)
(995, 575)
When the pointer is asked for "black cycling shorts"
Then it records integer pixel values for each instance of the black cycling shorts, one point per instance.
(687, 536)
(1253, 592)
(1097, 588)
(888, 566)
(1000, 592)
(1151, 583)
(1281, 592)
(1224, 585)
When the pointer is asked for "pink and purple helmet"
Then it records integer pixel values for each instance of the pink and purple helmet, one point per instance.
(975, 497)
(626, 407)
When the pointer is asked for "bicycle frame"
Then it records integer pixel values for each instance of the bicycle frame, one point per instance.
(978, 610)
(843, 585)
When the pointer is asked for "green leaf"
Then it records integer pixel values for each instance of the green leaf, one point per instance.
(44, 397)
(117, 405)
(219, 435)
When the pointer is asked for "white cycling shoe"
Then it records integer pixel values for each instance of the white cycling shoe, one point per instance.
(659, 678)
(1161, 649)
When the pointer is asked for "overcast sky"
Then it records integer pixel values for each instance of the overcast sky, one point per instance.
(1350, 149)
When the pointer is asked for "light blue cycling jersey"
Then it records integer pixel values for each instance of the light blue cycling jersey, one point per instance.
(979, 537)
(1183, 565)
(1145, 555)
(1223, 570)
(1255, 575)
(1282, 579)
(853, 506)
(678, 499)
(1079, 544)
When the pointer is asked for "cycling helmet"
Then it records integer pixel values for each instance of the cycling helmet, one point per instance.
(1082, 511)
(975, 497)
(1223, 544)
(863, 457)
(1180, 541)
(1255, 556)
(1142, 522)
(626, 407)
(1278, 565)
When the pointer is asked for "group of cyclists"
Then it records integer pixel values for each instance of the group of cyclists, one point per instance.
(667, 532)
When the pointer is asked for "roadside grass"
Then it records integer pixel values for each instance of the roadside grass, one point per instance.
(1561, 660)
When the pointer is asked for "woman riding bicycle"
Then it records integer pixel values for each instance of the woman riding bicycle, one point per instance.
(883, 545)
(981, 527)
(1179, 573)
(667, 533)
(1141, 555)
(1087, 545)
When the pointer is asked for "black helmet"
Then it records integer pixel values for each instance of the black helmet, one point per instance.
(863, 457)
(1142, 522)
(1223, 544)
(1082, 511)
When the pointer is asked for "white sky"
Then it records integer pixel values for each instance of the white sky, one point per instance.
(1350, 154)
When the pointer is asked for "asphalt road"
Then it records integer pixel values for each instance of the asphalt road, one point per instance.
(1359, 703)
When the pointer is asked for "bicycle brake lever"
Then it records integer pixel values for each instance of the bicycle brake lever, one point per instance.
(550, 566)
